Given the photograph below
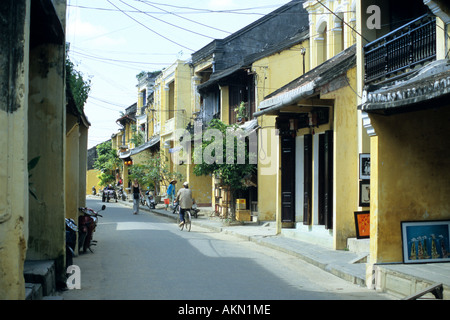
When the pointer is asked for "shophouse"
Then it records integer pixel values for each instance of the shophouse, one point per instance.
(223, 79)
(319, 139)
(404, 86)
(139, 135)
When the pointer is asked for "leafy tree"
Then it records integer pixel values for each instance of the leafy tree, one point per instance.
(107, 162)
(232, 173)
(154, 172)
(138, 137)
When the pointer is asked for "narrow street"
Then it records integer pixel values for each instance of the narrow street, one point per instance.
(147, 257)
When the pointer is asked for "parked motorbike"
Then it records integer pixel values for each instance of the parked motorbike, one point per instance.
(71, 240)
(150, 200)
(121, 194)
(142, 200)
(87, 224)
(108, 194)
(194, 209)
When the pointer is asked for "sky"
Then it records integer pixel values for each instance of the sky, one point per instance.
(111, 41)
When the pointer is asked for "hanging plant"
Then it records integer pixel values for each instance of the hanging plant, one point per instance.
(241, 112)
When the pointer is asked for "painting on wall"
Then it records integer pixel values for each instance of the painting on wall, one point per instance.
(362, 224)
(364, 166)
(425, 241)
(364, 193)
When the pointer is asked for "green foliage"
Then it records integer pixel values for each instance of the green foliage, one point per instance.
(154, 171)
(241, 111)
(232, 175)
(138, 137)
(79, 86)
(107, 162)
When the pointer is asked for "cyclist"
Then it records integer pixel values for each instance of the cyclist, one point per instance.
(185, 201)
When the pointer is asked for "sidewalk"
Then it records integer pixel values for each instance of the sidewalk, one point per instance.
(400, 280)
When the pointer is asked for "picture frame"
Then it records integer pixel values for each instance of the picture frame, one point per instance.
(425, 241)
(364, 193)
(362, 224)
(364, 166)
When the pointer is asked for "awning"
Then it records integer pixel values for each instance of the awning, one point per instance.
(285, 99)
(417, 90)
(219, 75)
(142, 147)
(249, 127)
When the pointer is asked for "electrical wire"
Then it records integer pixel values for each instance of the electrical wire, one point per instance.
(117, 60)
(177, 15)
(173, 25)
(162, 36)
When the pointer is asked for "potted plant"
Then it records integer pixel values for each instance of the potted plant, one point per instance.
(241, 112)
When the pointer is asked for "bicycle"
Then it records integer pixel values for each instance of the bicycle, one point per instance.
(187, 220)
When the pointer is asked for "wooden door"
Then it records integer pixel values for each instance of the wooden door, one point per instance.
(287, 179)
(308, 173)
(328, 179)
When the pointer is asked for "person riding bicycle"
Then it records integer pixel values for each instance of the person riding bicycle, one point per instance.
(185, 201)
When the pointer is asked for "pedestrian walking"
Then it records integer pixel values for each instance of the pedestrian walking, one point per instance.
(136, 196)
(171, 192)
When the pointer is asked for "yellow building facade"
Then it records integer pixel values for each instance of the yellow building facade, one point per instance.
(273, 72)
(405, 112)
(318, 137)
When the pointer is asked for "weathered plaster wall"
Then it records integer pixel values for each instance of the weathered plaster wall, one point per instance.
(346, 157)
(14, 38)
(413, 157)
(46, 138)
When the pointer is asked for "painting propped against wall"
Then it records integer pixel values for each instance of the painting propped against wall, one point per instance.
(425, 241)
(362, 224)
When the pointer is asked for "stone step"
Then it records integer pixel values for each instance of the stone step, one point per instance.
(33, 291)
(41, 272)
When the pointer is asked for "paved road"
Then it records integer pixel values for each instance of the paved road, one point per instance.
(146, 256)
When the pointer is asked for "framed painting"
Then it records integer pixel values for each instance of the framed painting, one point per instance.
(364, 166)
(362, 224)
(425, 241)
(364, 193)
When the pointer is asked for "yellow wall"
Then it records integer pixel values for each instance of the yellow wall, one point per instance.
(277, 70)
(410, 176)
(272, 73)
(200, 186)
(328, 34)
(346, 158)
(92, 180)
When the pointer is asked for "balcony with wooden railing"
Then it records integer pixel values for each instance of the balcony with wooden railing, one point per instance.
(401, 50)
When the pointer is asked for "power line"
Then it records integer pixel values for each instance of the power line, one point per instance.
(148, 27)
(116, 60)
(199, 23)
(173, 25)
(343, 21)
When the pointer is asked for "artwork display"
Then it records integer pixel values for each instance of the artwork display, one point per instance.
(364, 166)
(362, 224)
(425, 241)
(364, 193)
